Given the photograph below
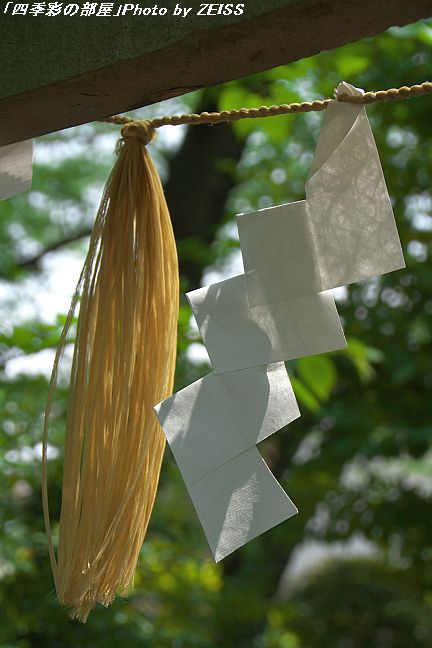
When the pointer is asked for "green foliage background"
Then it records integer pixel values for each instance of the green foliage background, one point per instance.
(357, 464)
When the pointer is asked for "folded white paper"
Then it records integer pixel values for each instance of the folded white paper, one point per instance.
(279, 255)
(15, 168)
(220, 416)
(343, 233)
(237, 337)
(350, 212)
(238, 501)
(345, 89)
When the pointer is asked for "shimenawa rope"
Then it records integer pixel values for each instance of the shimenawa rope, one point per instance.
(405, 92)
(123, 364)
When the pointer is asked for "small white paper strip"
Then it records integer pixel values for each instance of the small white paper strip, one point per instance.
(239, 501)
(237, 337)
(343, 233)
(279, 256)
(350, 212)
(212, 427)
(15, 168)
(220, 416)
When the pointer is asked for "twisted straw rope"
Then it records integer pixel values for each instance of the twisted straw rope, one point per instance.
(405, 92)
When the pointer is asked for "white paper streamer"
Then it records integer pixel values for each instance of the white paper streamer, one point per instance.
(15, 168)
(237, 337)
(279, 310)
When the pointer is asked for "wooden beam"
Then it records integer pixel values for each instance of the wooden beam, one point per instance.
(62, 71)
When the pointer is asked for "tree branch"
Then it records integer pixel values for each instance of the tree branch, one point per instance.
(32, 263)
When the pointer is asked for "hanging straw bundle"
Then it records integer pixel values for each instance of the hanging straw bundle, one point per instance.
(123, 364)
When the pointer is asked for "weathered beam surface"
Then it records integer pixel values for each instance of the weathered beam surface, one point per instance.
(63, 71)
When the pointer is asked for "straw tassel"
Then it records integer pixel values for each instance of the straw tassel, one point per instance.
(123, 364)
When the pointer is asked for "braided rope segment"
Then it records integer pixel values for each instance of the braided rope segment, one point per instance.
(405, 92)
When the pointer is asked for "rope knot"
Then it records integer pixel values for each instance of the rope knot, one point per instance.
(142, 130)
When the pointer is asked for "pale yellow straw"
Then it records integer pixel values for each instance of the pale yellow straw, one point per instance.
(123, 364)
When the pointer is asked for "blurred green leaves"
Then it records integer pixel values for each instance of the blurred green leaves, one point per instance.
(319, 374)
